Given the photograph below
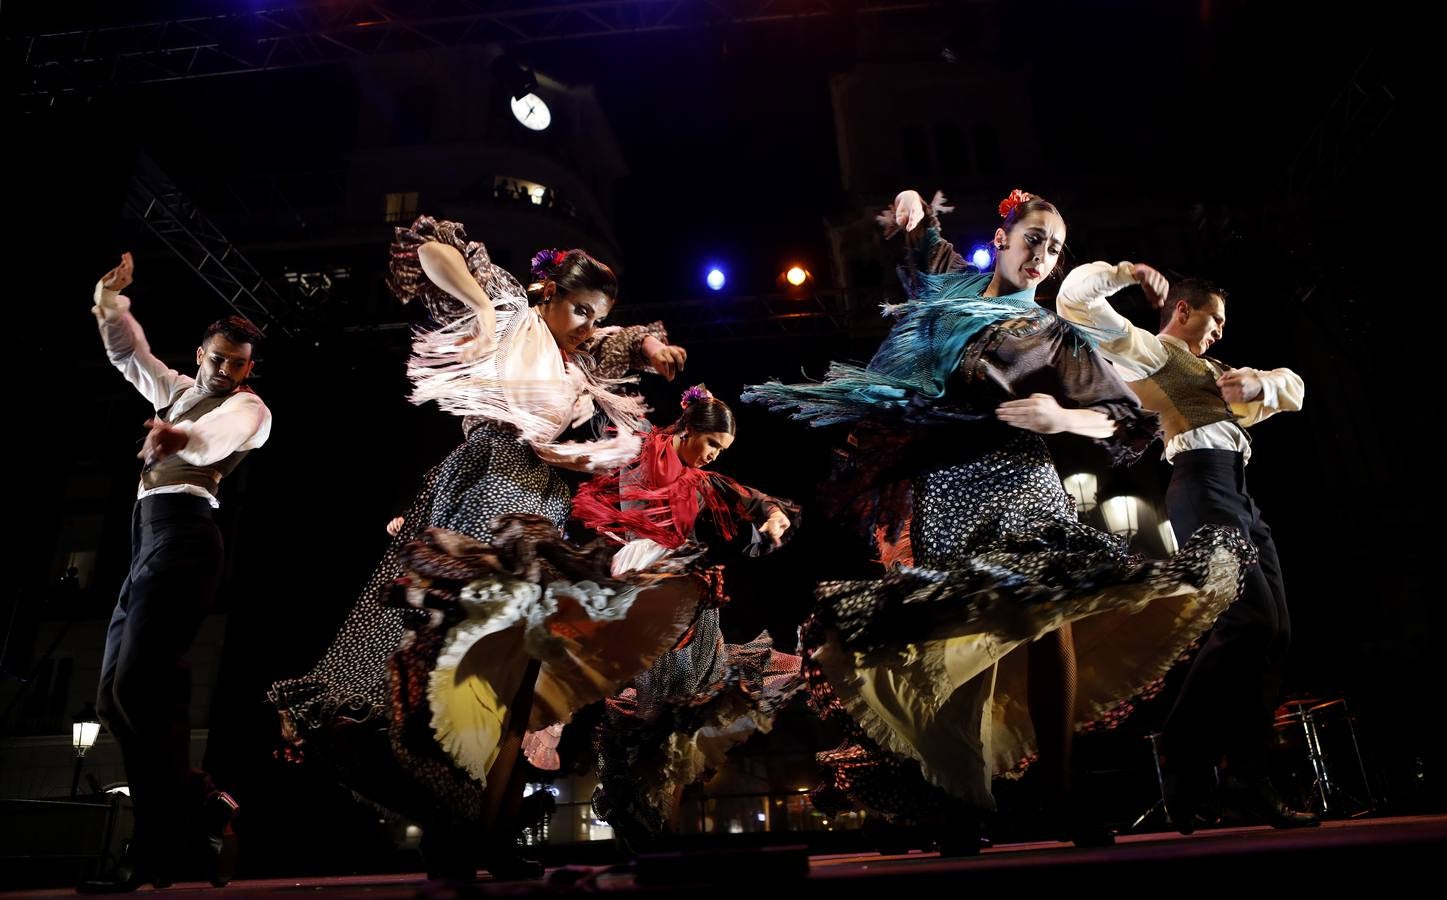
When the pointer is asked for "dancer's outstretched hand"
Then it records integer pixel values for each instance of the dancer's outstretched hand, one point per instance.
(666, 359)
(908, 210)
(775, 526)
(1156, 285)
(119, 278)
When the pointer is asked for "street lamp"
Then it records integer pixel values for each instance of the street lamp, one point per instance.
(1122, 516)
(1082, 486)
(1168, 537)
(83, 733)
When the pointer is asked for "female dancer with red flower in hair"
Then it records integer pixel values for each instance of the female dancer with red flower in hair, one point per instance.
(480, 621)
(675, 722)
(1005, 624)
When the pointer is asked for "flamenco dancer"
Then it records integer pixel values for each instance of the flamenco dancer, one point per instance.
(674, 723)
(480, 622)
(1004, 625)
(1223, 713)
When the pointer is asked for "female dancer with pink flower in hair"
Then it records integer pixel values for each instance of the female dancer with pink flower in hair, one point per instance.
(1004, 624)
(480, 621)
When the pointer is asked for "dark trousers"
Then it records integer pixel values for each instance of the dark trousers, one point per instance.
(1227, 702)
(145, 681)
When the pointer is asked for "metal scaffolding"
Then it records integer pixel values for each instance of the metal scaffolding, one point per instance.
(77, 62)
(154, 200)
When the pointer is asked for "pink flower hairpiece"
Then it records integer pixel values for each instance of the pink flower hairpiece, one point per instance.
(695, 394)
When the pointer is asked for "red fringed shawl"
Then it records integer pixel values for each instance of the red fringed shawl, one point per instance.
(658, 497)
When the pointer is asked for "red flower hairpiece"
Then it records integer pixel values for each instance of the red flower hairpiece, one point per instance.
(1016, 197)
(544, 261)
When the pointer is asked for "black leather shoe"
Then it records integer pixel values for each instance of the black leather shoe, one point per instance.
(960, 843)
(508, 864)
(447, 857)
(1255, 800)
(1086, 832)
(1072, 822)
(221, 850)
(894, 839)
(131, 873)
(962, 835)
(1189, 800)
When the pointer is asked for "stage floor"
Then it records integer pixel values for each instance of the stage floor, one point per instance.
(1391, 853)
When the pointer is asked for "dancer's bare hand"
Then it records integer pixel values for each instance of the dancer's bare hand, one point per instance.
(119, 278)
(394, 527)
(775, 525)
(908, 210)
(1041, 414)
(476, 347)
(1156, 285)
(666, 359)
(1038, 413)
(162, 442)
(1240, 385)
